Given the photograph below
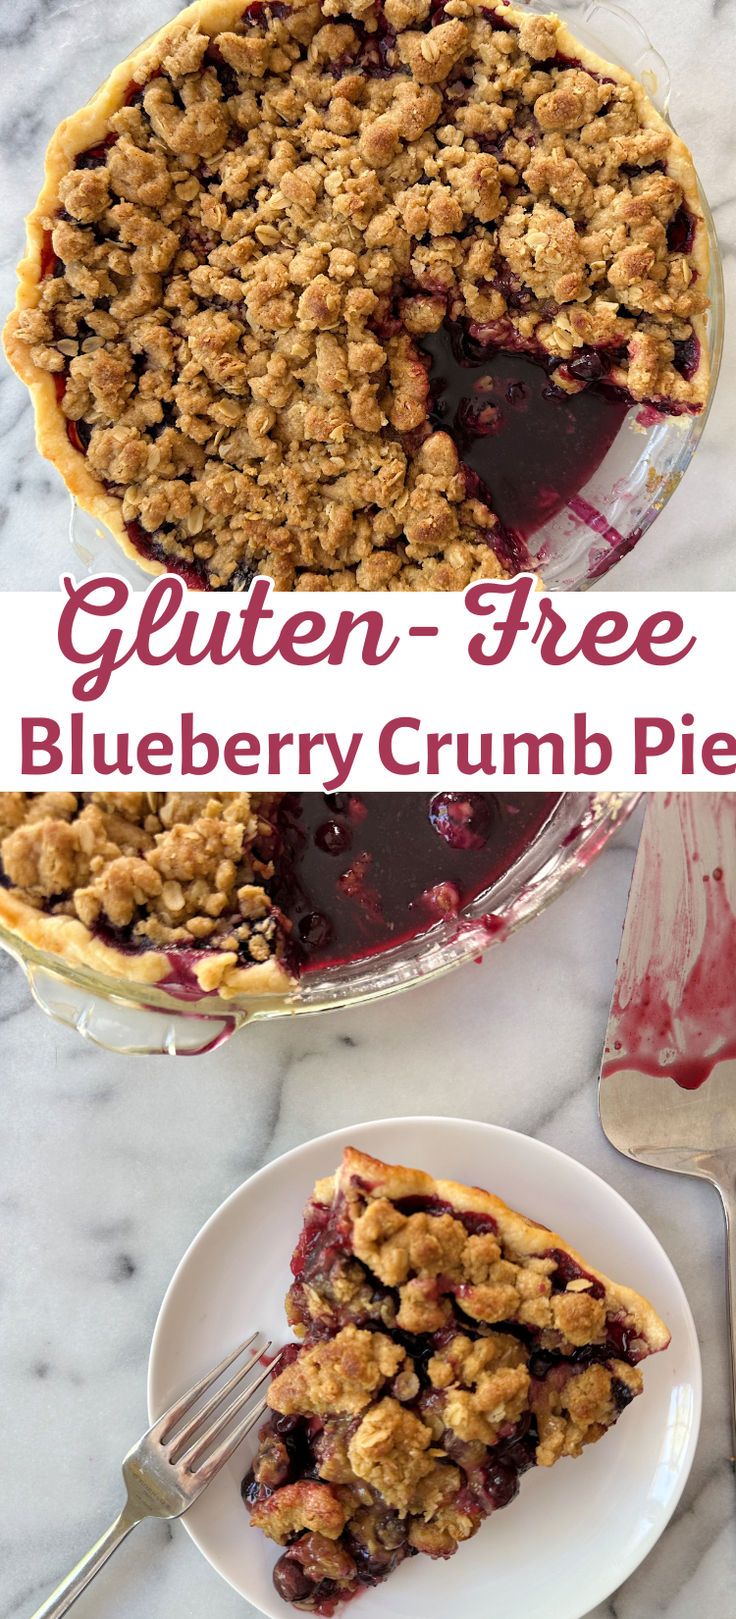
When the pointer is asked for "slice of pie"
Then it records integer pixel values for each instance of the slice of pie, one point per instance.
(355, 294)
(449, 1344)
(243, 892)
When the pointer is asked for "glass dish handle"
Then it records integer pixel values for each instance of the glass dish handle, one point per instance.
(122, 1027)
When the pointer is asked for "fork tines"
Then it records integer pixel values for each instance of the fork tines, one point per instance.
(191, 1447)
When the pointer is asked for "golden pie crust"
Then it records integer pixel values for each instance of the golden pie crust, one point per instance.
(75, 946)
(97, 855)
(361, 1176)
(432, 491)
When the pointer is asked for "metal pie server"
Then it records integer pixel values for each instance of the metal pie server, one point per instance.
(667, 1093)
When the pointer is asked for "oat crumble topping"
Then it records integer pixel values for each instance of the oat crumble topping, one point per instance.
(340, 1375)
(238, 278)
(165, 870)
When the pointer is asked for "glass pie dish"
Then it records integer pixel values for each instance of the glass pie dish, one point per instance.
(605, 517)
(133, 1017)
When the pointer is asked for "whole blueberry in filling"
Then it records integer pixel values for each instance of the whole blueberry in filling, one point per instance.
(463, 820)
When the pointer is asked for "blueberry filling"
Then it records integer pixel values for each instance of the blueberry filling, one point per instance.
(568, 1271)
(314, 1254)
(504, 412)
(95, 156)
(622, 1394)
(681, 231)
(475, 1224)
(365, 875)
(227, 76)
(375, 57)
(687, 357)
(261, 12)
(152, 547)
(79, 434)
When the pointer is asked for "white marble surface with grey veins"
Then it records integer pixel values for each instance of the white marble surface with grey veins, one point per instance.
(54, 53)
(109, 1165)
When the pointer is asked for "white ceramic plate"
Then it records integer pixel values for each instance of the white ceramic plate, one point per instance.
(575, 1531)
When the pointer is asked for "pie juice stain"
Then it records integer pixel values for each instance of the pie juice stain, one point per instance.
(532, 446)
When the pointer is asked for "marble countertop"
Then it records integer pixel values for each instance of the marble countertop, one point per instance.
(110, 1165)
(56, 52)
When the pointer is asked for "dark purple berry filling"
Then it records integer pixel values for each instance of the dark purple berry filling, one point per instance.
(530, 445)
(568, 1271)
(356, 874)
(687, 357)
(681, 231)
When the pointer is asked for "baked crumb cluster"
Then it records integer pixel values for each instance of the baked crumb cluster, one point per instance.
(438, 1364)
(240, 275)
(161, 869)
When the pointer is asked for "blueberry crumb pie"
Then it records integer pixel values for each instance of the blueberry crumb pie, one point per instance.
(448, 1344)
(355, 293)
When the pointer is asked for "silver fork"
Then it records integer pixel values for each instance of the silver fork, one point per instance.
(172, 1464)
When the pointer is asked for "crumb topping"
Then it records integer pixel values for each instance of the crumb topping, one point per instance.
(487, 1384)
(161, 869)
(391, 1451)
(396, 1247)
(240, 276)
(340, 1375)
(428, 1257)
(305, 1505)
(576, 1410)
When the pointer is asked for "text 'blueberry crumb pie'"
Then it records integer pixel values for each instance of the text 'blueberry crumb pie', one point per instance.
(355, 293)
(448, 1345)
